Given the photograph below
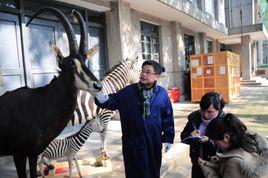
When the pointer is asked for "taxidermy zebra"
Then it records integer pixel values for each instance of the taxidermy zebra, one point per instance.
(30, 118)
(118, 77)
(68, 147)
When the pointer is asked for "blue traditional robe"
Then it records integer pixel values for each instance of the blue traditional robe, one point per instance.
(142, 138)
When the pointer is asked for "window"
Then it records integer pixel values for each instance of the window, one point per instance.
(210, 46)
(34, 49)
(149, 41)
(222, 47)
(265, 49)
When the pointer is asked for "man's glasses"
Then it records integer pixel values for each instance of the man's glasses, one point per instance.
(147, 72)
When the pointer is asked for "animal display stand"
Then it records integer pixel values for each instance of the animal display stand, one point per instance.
(88, 167)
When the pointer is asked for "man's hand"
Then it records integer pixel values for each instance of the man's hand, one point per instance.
(167, 146)
(101, 97)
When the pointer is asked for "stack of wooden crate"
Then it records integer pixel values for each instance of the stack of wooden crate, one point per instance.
(218, 71)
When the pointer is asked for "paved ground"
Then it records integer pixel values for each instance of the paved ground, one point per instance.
(251, 106)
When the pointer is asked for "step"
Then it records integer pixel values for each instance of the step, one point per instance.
(248, 81)
(251, 83)
(254, 82)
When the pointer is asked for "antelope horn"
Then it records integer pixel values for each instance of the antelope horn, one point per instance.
(73, 47)
(83, 47)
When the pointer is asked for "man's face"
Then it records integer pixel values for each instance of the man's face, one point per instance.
(148, 75)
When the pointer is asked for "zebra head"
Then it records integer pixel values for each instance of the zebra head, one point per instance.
(134, 69)
(73, 65)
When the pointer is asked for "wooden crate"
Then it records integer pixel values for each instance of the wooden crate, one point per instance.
(218, 71)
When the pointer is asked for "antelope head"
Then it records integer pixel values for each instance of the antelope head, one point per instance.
(74, 64)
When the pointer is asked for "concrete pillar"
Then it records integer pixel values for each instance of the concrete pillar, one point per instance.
(122, 40)
(197, 43)
(178, 51)
(246, 57)
(260, 53)
(215, 45)
(114, 42)
(127, 38)
(254, 58)
(178, 55)
(203, 43)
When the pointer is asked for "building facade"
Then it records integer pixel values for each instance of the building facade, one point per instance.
(164, 30)
(168, 31)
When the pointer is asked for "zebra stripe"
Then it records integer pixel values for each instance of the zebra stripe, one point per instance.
(116, 79)
(68, 147)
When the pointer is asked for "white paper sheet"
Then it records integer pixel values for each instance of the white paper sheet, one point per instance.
(194, 63)
(222, 70)
(199, 71)
(210, 59)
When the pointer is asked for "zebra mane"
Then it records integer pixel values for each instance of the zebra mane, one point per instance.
(114, 67)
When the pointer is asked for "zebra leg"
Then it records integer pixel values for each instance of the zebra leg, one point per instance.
(104, 120)
(20, 163)
(98, 126)
(47, 162)
(77, 166)
(70, 162)
(40, 165)
(103, 147)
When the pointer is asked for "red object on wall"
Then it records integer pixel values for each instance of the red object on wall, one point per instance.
(174, 94)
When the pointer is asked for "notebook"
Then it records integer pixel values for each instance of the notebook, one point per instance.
(192, 137)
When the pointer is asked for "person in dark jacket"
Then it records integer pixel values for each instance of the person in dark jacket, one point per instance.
(147, 121)
(211, 106)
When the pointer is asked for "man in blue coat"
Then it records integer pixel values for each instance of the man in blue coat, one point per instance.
(146, 120)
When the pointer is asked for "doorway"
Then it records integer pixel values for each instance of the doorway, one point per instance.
(189, 50)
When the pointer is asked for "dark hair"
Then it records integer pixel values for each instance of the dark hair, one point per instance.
(212, 98)
(157, 67)
(239, 136)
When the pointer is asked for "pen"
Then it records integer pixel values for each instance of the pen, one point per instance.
(193, 125)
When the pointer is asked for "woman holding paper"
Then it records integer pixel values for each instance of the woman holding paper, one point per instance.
(211, 106)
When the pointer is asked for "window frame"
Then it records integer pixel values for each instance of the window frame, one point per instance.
(150, 41)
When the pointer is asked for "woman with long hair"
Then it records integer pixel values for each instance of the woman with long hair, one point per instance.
(244, 154)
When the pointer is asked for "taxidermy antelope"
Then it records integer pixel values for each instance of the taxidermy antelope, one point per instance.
(31, 118)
